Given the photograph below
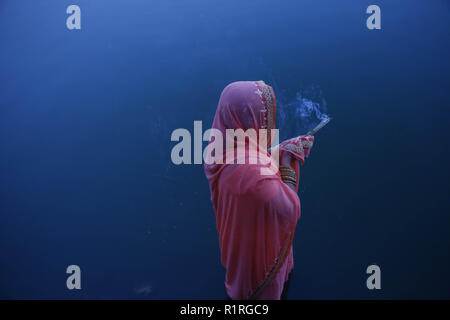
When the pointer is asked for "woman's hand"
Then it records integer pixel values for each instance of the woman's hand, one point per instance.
(298, 148)
(291, 151)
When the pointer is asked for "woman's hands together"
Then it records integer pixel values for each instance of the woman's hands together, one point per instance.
(297, 148)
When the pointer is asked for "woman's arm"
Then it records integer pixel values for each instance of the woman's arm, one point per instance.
(286, 160)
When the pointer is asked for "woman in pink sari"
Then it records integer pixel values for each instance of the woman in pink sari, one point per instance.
(256, 213)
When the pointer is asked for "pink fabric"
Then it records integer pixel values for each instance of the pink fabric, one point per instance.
(255, 214)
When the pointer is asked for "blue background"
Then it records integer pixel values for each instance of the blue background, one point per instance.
(85, 123)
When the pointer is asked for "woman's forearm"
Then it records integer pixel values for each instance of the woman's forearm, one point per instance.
(288, 174)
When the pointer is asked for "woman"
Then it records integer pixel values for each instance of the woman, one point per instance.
(256, 213)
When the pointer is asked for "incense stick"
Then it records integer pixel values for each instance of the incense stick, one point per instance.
(322, 124)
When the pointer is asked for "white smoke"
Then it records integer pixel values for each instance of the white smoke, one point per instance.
(298, 116)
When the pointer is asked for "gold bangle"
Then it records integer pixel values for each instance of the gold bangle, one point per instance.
(287, 170)
(288, 178)
(290, 173)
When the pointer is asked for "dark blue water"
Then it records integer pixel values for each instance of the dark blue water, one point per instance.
(85, 123)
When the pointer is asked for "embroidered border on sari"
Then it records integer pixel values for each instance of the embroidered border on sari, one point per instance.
(268, 100)
(278, 264)
(294, 147)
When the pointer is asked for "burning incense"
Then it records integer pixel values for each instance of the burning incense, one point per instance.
(322, 124)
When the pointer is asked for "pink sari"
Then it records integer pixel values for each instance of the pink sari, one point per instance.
(256, 214)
